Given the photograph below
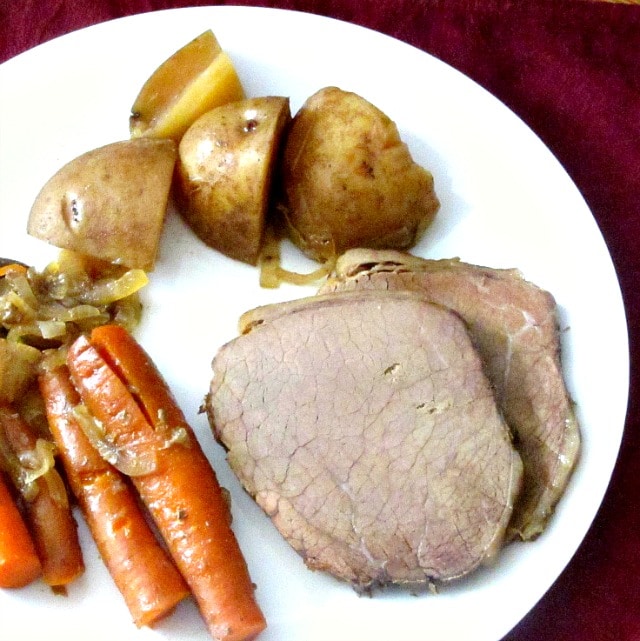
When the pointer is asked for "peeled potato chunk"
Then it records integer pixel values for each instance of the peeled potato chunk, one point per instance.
(109, 203)
(350, 181)
(196, 78)
(224, 174)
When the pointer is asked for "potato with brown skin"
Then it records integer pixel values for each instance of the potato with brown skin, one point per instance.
(350, 181)
(109, 203)
(224, 174)
(195, 79)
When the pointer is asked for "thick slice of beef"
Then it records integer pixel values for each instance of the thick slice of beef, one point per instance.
(515, 328)
(364, 426)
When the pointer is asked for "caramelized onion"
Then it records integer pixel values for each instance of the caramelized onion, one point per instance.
(38, 461)
(51, 328)
(294, 278)
(27, 468)
(272, 274)
(124, 459)
(19, 282)
(73, 295)
(53, 358)
(57, 489)
(109, 290)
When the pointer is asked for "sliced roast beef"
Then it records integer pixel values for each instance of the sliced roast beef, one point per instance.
(364, 426)
(515, 328)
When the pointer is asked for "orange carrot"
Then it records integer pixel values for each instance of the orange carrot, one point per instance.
(19, 562)
(122, 388)
(141, 569)
(47, 510)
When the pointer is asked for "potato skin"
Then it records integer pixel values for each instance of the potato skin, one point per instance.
(109, 203)
(349, 181)
(226, 162)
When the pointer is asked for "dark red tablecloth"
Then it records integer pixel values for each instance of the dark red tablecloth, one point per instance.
(571, 70)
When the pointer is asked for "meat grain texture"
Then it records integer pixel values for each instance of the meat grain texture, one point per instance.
(514, 325)
(363, 424)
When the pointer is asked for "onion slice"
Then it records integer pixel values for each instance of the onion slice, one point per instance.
(31, 465)
(272, 274)
(125, 459)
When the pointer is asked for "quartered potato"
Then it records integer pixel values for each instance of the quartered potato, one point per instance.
(109, 203)
(350, 181)
(225, 166)
(195, 79)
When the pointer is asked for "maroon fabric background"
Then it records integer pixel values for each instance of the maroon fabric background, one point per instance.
(571, 70)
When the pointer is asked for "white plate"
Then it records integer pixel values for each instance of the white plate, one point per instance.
(505, 202)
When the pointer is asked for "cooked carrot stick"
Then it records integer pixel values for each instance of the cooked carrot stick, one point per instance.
(141, 569)
(122, 388)
(48, 513)
(19, 562)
